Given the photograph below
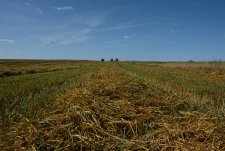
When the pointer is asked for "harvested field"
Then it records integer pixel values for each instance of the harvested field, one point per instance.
(118, 107)
(23, 67)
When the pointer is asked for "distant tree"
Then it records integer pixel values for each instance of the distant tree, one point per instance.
(102, 60)
(116, 59)
(190, 61)
(111, 60)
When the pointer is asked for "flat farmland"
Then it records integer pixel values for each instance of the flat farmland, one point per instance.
(90, 105)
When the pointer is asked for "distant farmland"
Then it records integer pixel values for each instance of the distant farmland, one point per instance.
(90, 105)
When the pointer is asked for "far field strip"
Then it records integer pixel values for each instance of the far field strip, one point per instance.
(8, 69)
(112, 109)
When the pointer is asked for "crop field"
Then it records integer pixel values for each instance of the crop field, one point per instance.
(90, 105)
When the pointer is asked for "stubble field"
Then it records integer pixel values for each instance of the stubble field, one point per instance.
(87, 105)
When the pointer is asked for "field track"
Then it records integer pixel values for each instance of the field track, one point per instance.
(113, 108)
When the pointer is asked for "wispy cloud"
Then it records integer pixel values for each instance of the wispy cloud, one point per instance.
(37, 10)
(7, 40)
(68, 37)
(195, 4)
(77, 30)
(91, 19)
(94, 21)
(64, 8)
(173, 31)
(27, 4)
(82, 38)
(126, 37)
(124, 26)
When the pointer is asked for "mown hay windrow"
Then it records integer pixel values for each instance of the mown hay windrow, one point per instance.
(111, 110)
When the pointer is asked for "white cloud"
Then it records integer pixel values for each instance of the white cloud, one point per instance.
(64, 8)
(195, 4)
(84, 38)
(37, 10)
(77, 30)
(173, 31)
(27, 4)
(90, 20)
(126, 37)
(7, 40)
(124, 26)
(94, 21)
(68, 37)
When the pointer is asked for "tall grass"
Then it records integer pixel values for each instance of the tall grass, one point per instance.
(182, 81)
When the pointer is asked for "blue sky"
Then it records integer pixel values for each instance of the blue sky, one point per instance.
(165, 30)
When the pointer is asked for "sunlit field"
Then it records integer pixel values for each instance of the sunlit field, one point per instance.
(91, 105)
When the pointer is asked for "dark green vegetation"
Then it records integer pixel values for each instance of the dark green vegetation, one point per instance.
(114, 106)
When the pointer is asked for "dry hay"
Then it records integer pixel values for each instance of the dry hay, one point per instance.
(111, 110)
